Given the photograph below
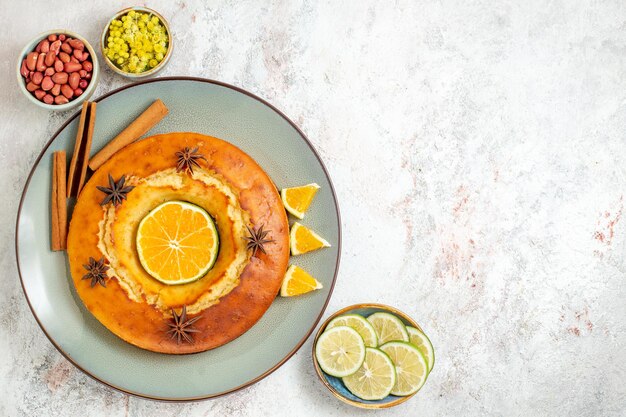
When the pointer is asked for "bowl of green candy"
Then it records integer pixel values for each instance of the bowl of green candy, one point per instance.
(136, 42)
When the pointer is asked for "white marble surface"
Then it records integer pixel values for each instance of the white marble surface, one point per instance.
(478, 152)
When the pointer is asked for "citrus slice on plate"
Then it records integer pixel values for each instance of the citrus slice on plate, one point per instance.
(298, 199)
(388, 327)
(340, 351)
(358, 323)
(297, 281)
(303, 240)
(375, 379)
(177, 242)
(422, 342)
(411, 367)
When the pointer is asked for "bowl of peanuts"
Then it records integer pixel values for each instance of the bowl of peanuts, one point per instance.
(58, 70)
(136, 42)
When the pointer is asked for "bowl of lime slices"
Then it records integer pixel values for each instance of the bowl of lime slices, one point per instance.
(372, 356)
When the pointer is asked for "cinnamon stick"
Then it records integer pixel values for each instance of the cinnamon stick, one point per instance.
(146, 121)
(72, 181)
(85, 150)
(59, 206)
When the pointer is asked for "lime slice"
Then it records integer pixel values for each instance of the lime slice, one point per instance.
(375, 378)
(388, 327)
(340, 351)
(422, 342)
(358, 323)
(411, 367)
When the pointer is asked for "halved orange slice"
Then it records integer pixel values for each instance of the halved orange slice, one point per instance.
(303, 240)
(177, 242)
(297, 281)
(298, 199)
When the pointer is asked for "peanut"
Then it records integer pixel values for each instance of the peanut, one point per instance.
(74, 80)
(72, 66)
(47, 83)
(55, 47)
(49, 59)
(64, 57)
(37, 78)
(76, 44)
(41, 65)
(60, 78)
(24, 69)
(31, 60)
(67, 91)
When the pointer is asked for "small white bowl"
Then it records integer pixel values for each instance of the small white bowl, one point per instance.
(86, 93)
(160, 66)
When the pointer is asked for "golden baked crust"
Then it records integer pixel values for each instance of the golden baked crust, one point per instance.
(142, 322)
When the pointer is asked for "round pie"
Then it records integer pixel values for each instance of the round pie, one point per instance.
(198, 195)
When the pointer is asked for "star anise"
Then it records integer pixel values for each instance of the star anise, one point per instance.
(188, 159)
(180, 327)
(257, 240)
(115, 192)
(97, 271)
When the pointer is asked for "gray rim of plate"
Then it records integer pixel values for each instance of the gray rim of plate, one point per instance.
(298, 345)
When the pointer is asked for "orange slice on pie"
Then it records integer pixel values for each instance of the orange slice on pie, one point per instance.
(177, 242)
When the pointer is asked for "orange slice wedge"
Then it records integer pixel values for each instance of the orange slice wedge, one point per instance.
(303, 240)
(297, 281)
(298, 199)
(177, 242)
